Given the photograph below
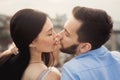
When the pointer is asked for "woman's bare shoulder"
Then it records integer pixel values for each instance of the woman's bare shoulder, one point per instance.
(54, 74)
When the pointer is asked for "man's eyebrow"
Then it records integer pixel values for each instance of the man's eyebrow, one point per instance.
(66, 30)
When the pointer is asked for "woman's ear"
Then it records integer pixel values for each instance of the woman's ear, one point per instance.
(32, 44)
(84, 47)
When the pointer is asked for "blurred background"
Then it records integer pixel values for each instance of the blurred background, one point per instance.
(59, 11)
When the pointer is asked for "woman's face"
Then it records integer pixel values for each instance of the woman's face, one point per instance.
(45, 41)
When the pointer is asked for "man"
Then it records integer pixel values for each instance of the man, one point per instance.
(11, 50)
(84, 36)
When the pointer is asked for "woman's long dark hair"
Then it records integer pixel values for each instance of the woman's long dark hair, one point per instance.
(25, 25)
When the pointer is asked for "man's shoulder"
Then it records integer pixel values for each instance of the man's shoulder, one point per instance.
(83, 63)
(76, 64)
(70, 63)
(116, 55)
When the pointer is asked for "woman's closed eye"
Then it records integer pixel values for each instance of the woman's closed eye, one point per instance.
(50, 34)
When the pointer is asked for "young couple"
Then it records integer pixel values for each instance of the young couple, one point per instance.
(84, 35)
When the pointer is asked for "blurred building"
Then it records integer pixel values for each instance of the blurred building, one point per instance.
(59, 22)
(114, 42)
(4, 32)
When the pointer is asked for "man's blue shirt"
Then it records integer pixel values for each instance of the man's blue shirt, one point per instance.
(98, 64)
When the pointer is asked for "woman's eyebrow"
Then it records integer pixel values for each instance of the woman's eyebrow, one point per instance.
(49, 29)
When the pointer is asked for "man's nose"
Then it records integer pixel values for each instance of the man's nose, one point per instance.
(59, 36)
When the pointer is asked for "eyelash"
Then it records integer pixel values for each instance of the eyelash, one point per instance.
(50, 34)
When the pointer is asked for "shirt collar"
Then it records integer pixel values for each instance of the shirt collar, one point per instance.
(96, 52)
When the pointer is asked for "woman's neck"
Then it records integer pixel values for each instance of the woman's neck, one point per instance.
(35, 57)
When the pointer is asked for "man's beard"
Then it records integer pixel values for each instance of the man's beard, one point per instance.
(69, 50)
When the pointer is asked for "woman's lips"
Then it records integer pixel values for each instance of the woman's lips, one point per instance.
(56, 43)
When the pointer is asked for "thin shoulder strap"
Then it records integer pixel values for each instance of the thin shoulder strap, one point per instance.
(44, 74)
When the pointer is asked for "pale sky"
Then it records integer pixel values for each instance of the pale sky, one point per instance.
(53, 7)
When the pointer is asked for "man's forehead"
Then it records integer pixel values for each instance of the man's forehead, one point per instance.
(72, 24)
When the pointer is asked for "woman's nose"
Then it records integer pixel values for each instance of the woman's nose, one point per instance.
(54, 33)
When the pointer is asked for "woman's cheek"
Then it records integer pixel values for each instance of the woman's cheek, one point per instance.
(49, 42)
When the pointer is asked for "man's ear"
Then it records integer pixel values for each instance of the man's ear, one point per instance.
(84, 47)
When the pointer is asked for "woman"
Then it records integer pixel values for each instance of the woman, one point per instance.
(33, 34)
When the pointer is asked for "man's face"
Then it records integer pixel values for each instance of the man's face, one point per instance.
(69, 40)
